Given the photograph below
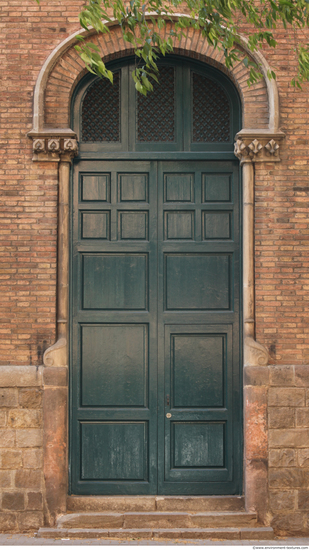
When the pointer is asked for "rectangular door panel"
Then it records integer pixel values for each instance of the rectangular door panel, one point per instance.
(178, 225)
(197, 281)
(114, 451)
(95, 225)
(133, 225)
(95, 187)
(178, 187)
(198, 370)
(114, 365)
(216, 187)
(197, 445)
(115, 281)
(217, 225)
(133, 187)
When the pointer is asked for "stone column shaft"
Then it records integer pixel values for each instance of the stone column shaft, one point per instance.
(63, 251)
(248, 249)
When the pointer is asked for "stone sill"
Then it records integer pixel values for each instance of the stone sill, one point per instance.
(277, 375)
(20, 376)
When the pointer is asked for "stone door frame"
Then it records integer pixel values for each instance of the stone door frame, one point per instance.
(52, 143)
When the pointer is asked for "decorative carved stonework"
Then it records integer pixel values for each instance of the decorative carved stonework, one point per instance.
(272, 146)
(70, 145)
(255, 147)
(258, 146)
(39, 145)
(54, 145)
(240, 149)
(56, 355)
(255, 355)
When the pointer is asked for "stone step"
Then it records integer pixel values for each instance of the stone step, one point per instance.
(228, 533)
(160, 520)
(155, 503)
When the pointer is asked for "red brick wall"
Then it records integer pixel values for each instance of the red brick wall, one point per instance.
(281, 226)
(28, 209)
(29, 193)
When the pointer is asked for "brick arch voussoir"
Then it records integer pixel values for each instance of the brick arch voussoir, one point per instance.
(69, 70)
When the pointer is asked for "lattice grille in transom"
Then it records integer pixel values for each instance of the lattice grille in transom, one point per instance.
(156, 111)
(211, 111)
(101, 111)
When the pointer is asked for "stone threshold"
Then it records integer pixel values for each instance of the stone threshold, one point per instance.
(155, 503)
(258, 533)
(156, 519)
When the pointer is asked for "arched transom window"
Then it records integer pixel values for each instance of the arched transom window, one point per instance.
(192, 108)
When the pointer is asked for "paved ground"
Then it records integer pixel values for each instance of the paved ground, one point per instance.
(28, 540)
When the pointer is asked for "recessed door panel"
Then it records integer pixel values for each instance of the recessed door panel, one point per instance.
(114, 451)
(115, 281)
(216, 187)
(95, 187)
(133, 187)
(217, 225)
(198, 366)
(179, 225)
(198, 445)
(197, 281)
(133, 225)
(95, 225)
(114, 365)
(179, 187)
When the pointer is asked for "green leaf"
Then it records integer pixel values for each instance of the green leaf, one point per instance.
(217, 20)
(85, 58)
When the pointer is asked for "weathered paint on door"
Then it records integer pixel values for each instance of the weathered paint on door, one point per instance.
(156, 406)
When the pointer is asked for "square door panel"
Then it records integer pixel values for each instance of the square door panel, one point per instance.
(95, 225)
(178, 187)
(217, 225)
(133, 187)
(133, 225)
(198, 445)
(114, 366)
(197, 370)
(115, 281)
(178, 225)
(114, 451)
(216, 187)
(95, 187)
(197, 281)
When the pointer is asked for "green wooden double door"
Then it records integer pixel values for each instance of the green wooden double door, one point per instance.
(155, 364)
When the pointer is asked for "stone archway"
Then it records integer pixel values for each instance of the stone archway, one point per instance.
(53, 140)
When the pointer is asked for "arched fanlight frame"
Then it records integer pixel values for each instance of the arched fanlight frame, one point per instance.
(195, 107)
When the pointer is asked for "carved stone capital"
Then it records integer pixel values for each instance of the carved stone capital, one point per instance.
(255, 355)
(54, 145)
(39, 145)
(70, 145)
(258, 146)
(240, 149)
(56, 355)
(255, 147)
